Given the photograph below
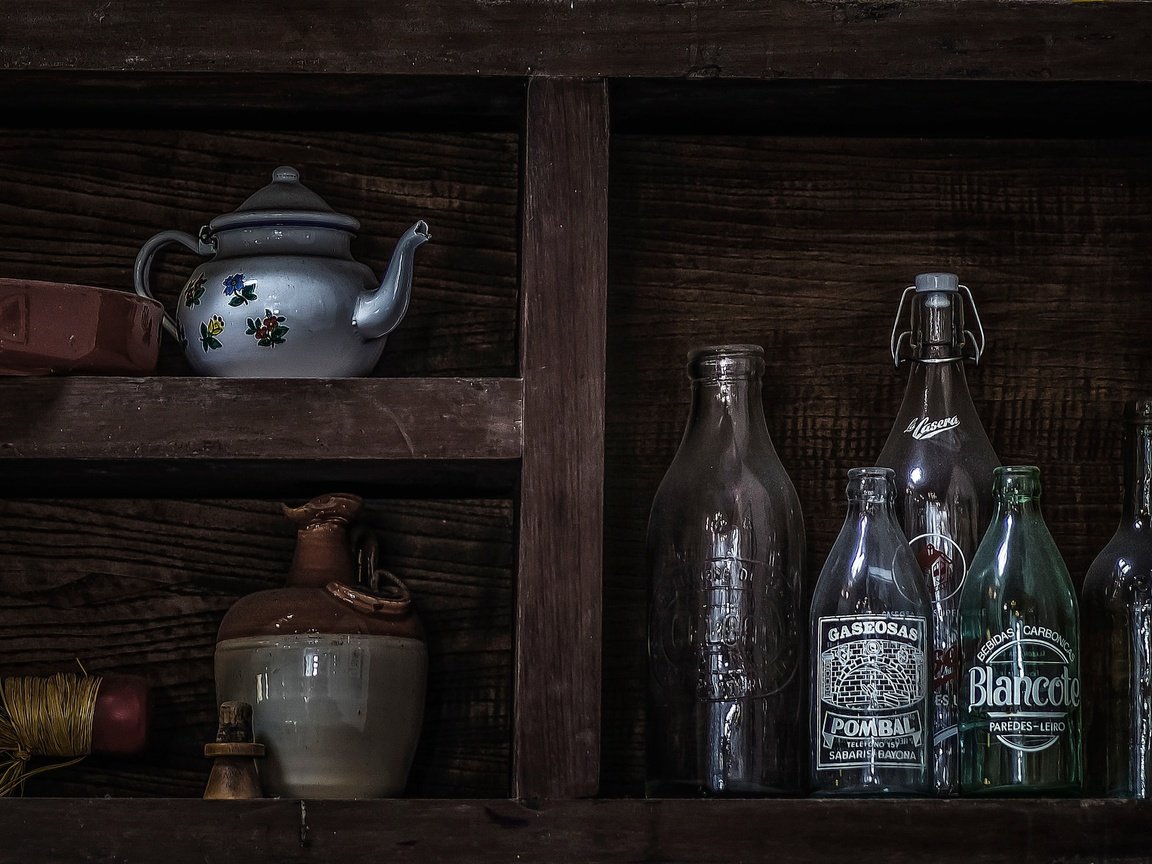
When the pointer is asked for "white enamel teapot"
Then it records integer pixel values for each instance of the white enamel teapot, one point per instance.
(282, 296)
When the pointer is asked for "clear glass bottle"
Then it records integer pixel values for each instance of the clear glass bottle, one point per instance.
(943, 462)
(1020, 638)
(726, 552)
(870, 632)
(1117, 607)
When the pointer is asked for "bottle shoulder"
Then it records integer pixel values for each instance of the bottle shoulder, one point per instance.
(870, 569)
(691, 484)
(1018, 567)
(1122, 566)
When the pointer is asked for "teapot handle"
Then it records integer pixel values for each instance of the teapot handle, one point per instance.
(144, 265)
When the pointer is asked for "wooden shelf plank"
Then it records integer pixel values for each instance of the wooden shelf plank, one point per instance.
(94, 432)
(677, 832)
(1005, 39)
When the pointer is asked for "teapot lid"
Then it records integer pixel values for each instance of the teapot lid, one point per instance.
(286, 202)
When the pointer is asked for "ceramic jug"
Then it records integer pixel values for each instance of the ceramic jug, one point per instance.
(282, 296)
(334, 670)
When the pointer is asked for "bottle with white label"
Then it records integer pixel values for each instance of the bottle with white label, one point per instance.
(943, 462)
(871, 637)
(1020, 638)
(725, 631)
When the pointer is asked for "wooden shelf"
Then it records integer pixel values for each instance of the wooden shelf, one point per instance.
(1013, 40)
(253, 832)
(210, 436)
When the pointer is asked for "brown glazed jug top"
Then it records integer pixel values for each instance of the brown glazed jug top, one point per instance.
(323, 594)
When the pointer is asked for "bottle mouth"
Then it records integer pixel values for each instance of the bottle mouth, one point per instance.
(871, 484)
(725, 361)
(1013, 482)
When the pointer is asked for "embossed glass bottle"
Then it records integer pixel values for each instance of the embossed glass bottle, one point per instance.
(943, 462)
(870, 632)
(726, 557)
(1020, 640)
(1117, 607)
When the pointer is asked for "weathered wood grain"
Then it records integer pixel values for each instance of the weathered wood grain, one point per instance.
(677, 832)
(803, 246)
(141, 586)
(564, 286)
(337, 419)
(1018, 39)
(77, 203)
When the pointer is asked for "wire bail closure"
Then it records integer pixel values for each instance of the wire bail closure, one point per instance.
(900, 342)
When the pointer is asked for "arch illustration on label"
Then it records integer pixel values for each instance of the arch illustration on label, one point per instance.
(871, 683)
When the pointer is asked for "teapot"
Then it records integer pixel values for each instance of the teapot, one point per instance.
(282, 296)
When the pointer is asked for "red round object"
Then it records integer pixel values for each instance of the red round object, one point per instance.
(122, 716)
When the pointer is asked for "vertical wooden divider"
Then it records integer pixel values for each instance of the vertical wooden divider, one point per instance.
(563, 288)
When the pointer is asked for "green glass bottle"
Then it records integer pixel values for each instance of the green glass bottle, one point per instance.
(1020, 642)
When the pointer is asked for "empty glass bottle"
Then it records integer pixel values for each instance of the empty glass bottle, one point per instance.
(1117, 601)
(943, 462)
(870, 631)
(1020, 638)
(726, 552)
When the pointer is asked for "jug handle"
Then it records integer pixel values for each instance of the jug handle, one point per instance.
(200, 246)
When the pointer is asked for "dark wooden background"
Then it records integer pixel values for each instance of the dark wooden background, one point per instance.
(140, 585)
(803, 245)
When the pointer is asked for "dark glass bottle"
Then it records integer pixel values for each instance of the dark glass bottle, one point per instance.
(1117, 604)
(943, 462)
(1020, 637)
(726, 552)
(870, 632)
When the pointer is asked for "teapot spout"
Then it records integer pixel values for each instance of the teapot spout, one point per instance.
(379, 312)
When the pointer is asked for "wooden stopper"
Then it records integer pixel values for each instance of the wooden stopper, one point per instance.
(234, 773)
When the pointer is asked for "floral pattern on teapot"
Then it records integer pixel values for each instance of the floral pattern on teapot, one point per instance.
(241, 292)
(209, 330)
(269, 330)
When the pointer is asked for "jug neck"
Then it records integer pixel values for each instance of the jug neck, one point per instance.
(726, 394)
(322, 556)
(1138, 467)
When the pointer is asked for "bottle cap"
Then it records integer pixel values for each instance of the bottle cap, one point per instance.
(937, 282)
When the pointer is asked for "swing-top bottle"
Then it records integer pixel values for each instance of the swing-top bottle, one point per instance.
(943, 462)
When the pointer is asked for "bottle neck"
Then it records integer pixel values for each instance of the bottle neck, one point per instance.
(937, 326)
(1016, 489)
(871, 495)
(1138, 476)
(732, 405)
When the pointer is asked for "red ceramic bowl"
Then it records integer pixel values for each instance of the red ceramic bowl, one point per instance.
(50, 327)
